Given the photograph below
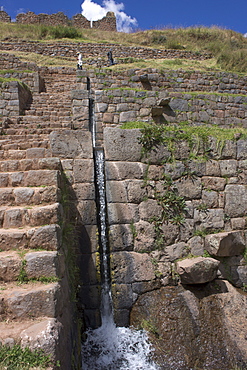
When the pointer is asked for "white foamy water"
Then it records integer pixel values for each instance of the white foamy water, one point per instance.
(116, 348)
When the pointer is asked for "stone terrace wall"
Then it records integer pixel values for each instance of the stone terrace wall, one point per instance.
(170, 81)
(216, 201)
(9, 61)
(116, 106)
(90, 50)
(4, 17)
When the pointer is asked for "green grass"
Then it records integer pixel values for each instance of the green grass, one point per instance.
(134, 125)
(227, 48)
(16, 358)
(153, 136)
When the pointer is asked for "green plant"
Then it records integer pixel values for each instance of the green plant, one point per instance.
(200, 232)
(172, 205)
(206, 254)
(134, 124)
(150, 327)
(154, 136)
(133, 230)
(202, 207)
(23, 358)
(22, 277)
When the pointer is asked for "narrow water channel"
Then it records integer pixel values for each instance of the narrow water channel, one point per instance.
(109, 347)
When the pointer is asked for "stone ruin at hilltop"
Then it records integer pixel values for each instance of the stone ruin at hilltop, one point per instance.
(107, 23)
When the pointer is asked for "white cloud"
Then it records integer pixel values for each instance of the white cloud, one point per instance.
(245, 35)
(94, 12)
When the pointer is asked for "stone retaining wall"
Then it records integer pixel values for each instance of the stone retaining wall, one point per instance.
(13, 99)
(90, 50)
(170, 81)
(216, 200)
(116, 106)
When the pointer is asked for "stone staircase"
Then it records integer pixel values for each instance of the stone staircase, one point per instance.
(32, 267)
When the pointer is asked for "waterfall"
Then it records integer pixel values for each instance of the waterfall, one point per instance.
(110, 347)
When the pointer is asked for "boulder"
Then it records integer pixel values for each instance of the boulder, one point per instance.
(225, 244)
(197, 270)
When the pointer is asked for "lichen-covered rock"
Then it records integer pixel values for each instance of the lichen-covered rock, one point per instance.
(197, 270)
(225, 244)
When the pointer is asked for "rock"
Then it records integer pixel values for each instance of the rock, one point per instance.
(209, 219)
(126, 144)
(10, 265)
(41, 264)
(149, 209)
(196, 245)
(177, 250)
(225, 244)
(121, 237)
(46, 237)
(71, 144)
(235, 200)
(189, 189)
(44, 336)
(122, 213)
(36, 302)
(130, 267)
(197, 270)
(197, 328)
(145, 236)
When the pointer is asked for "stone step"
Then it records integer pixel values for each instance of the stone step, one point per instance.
(30, 130)
(30, 301)
(31, 178)
(15, 217)
(29, 153)
(46, 237)
(29, 196)
(23, 145)
(50, 163)
(38, 265)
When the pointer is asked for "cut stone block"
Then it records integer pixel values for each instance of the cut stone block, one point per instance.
(197, 270)
(41, 177)
(10, 265)
(50, 214)
(47, 237)
(130, 267)
(13, 239)
(38, 301)
(225, 244)
(41, 264)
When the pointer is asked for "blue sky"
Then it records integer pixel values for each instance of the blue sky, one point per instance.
(150, 13)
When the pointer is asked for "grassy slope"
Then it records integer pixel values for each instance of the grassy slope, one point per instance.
(229, 48)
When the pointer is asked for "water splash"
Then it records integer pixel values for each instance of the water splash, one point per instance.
(116, 348)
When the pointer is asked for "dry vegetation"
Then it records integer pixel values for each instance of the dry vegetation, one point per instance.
(228, 48)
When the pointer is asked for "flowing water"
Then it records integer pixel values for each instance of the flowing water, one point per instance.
(110, 347)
